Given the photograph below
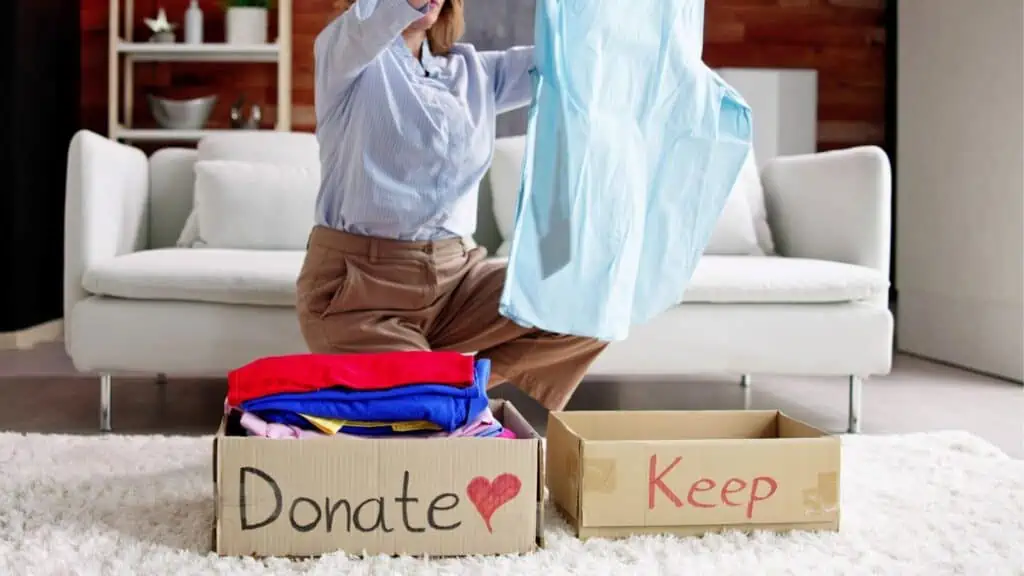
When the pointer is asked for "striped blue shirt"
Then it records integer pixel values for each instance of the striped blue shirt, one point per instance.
(404, 143)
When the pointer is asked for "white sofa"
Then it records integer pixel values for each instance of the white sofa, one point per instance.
(794, 282)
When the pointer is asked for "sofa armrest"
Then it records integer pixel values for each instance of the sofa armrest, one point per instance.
(105, 208)
(832, 206)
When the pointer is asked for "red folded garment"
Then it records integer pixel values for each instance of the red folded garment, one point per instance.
(378, 371)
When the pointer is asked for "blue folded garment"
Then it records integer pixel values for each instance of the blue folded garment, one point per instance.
(447, 406)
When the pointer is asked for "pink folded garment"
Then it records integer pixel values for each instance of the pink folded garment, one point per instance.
(484, 426)
(259, 427)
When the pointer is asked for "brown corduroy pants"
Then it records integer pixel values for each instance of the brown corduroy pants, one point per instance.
(360, 294)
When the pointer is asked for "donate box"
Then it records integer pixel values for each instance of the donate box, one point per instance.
(417, 496)
(615, 474)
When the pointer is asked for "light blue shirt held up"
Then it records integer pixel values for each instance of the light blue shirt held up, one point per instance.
(405, 143)
(632, 149)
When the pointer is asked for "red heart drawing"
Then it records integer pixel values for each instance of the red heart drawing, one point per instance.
(488, 496)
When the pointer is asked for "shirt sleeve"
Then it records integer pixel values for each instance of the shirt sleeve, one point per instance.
(351, 41)
(509, 72)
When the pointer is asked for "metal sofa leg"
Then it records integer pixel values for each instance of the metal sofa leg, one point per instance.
(856, 385)
(105, 403)
(745, 381)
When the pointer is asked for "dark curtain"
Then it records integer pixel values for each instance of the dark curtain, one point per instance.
(39, 113)
(891, 80)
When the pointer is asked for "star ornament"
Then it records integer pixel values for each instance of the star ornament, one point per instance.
(160, 23)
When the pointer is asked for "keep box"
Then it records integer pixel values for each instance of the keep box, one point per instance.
(615, 474)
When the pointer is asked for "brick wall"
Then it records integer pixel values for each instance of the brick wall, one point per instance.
(843, 39)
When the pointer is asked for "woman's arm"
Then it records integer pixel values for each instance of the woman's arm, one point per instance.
(509, 71)
(349, 43)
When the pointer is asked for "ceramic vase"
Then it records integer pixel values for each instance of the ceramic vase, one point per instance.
(246, 26)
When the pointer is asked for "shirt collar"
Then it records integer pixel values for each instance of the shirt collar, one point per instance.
(430, 63)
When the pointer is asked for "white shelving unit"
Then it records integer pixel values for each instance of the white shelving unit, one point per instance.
(124, 54)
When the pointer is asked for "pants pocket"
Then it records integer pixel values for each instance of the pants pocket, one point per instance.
(388, 286)
(337, 288)
(321, 281)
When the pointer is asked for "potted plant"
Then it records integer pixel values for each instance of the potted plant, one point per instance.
(246, 21)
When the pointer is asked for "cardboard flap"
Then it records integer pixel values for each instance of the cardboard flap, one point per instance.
(671, 425)
(541, 487)
(512, 419)
(792, 428)
(215, 544)
(562, 464)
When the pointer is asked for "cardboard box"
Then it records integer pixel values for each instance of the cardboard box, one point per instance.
(614, 474)
(418, 496)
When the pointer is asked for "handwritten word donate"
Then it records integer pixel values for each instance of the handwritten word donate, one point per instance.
(439, 512)
(706, 492)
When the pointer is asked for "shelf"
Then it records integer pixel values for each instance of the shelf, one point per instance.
(210, 52)
(123, 55)
(163, 135)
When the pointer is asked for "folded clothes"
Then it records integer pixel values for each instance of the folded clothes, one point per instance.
(364, 372)
(256, 426)
(331, 426)
(448, 407)
(484, 426)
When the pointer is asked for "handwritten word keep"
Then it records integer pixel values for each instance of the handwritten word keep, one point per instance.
(706, 492)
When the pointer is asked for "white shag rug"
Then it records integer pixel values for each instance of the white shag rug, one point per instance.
(929, 504)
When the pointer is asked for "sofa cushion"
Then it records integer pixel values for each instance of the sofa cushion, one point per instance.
(505, 177)
(734, 231)
(269, 146)
(255, 277)
(742, 228)
(775, 279)
(257, 146)
(267, 278)
(255, 206)
(749, 182)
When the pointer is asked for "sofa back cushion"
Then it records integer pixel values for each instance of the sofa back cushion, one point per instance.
(504, 180)
(173, 219)
(742, 228)
(750, 183)
(269, 146)
(298, 150)
(172, 180)
(254, 205)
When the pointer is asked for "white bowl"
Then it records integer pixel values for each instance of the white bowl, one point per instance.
(182, 114)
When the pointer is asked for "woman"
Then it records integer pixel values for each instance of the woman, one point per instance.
(405, 120)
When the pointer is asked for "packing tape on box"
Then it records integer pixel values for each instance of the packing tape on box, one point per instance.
(599, 475)
(824, 497)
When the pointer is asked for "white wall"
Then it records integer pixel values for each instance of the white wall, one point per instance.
(784, 104)
(960, 190)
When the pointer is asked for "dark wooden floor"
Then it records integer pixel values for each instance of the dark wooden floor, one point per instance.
(194, 406)
(41, 394)
(71, 405)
